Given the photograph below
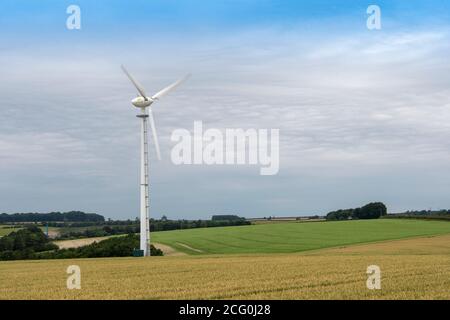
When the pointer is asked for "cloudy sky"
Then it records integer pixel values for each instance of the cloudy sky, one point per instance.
(363, 115)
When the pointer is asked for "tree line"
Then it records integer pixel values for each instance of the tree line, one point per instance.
(427, 212)
(423, 215)
(155, 225)
(372, 210)
(71, 216)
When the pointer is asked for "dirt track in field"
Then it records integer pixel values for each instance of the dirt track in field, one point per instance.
(67, 244)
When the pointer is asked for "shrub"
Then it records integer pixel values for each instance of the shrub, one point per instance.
(23, 244)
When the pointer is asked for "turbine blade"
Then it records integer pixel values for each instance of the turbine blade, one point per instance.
(138, 86)
(155, 136)
(166, 90)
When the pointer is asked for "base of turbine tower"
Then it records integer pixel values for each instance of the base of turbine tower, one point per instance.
(138, 253)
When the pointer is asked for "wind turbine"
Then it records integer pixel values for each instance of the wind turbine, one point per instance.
(144, 102)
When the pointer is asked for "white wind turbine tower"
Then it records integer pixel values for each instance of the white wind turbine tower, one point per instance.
(144, 102)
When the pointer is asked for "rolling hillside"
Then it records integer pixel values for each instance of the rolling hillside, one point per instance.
(294, 237)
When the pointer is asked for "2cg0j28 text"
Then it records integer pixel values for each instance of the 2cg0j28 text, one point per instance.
(249, 310)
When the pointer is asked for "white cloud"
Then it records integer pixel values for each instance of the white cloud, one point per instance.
(347, 107)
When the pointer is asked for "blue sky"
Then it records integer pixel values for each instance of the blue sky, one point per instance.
(44, 18)
(363, 115)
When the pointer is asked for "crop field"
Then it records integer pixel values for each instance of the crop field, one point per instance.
(294, 237)
(323, 274)
(279, 261)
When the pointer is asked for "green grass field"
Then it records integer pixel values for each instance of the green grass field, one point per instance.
(294, 237)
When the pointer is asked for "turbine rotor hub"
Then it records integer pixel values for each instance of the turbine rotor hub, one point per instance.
(141, 102)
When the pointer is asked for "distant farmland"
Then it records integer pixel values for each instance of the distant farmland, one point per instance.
(294, 237)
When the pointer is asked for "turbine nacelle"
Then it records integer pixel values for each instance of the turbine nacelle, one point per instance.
(141, 102)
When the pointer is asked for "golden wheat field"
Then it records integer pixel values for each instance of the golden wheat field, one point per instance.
(338, 273)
